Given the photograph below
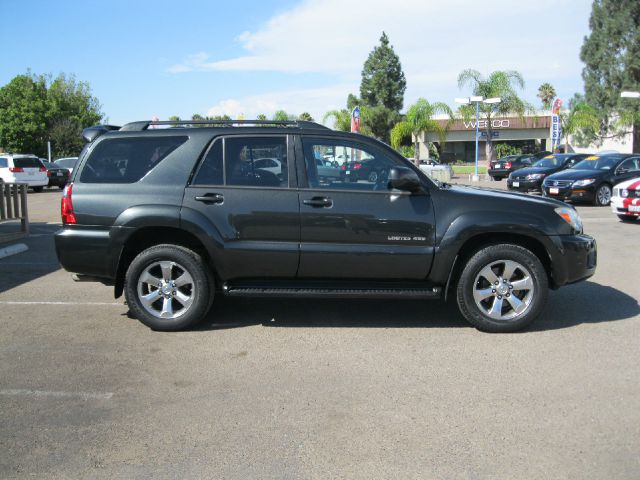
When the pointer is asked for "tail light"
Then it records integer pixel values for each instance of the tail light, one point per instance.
(66, 206)
(48, 172)
(343, 167)
(43, 169)
(507, 165)
(357, 166)
(16, 169)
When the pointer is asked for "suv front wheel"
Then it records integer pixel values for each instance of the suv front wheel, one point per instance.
(502, 288)
(167, 287)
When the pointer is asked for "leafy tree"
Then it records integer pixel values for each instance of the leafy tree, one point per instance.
(546, 94)
(341, 119)
(261, 116)
(174, 118)
(280, 116)
(383, 82)
(501, 84)
(611, 54)
(419, 119)
(581, 117)
(504, 149)
(306, 116)
(35, 109)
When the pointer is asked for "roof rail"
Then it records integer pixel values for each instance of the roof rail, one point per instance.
(145, 124)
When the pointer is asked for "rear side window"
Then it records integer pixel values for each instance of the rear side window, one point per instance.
(3, 163)
(127, 160)
(245, 161)
(29, 162)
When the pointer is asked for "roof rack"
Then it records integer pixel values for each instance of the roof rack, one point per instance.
(144, 125)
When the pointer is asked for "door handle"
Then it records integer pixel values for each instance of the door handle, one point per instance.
(319, 202)
(210, 198)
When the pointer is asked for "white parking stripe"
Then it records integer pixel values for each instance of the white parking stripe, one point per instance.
(10, 302)
(45, 393)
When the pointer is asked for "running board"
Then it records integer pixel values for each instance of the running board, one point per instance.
(431, 293)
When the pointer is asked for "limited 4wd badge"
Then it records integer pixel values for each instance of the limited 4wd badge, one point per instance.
(401, 238)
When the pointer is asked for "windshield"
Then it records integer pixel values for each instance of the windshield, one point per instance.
(547, 162)
(596, 163)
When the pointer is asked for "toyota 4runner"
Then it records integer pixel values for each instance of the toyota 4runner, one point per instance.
(173, 214)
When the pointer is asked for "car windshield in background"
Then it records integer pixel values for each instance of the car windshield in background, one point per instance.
(28, 162)
(596, 163)
(547, 162)
(67, 162)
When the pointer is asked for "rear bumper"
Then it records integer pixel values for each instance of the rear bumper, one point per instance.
(620, 206)
(87, 251)
(575, 259)
(498, 172)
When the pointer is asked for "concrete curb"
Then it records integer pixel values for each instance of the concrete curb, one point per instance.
(13, 249)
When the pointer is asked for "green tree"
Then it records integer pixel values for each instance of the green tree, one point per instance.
(281, 116)
(546, 94)
(23, 115)
(419, 119)
(261, 116)
(174, 118)
(341, 119)
(501, 84)
(611, 53)
(383, 82)
(306, 116)
(581, 117)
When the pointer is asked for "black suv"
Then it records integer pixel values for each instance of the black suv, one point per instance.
(174, 216)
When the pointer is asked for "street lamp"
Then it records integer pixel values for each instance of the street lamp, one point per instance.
(630, 94)
(477, 100)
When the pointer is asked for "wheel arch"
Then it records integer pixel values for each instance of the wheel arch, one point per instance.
(147, 237)
(482, 240)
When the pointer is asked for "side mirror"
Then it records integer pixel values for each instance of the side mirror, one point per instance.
(405, 179)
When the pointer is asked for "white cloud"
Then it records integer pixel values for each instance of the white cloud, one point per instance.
(316, 101)
(435, 41)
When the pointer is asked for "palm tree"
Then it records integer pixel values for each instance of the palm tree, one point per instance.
(419, 119)
(546, 94)
(306, 116)
(498, 84)
(342, 119)
(581, 116)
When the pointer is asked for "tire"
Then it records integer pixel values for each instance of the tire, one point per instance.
(38, 189)
(602, 197)
(496, 178)
(627, 218)
(477, 297)
(169, 306)
(61, 187)
(373, 177)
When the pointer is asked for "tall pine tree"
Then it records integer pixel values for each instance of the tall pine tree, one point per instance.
(383, 82)
(611, 54)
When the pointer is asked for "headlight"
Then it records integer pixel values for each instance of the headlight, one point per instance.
(535, 176)
(584, 183)
(570, 216)
(624, 192)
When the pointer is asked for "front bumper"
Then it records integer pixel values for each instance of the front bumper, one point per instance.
(577, 194)
(625, 206)
(524, 185)
(575, 259)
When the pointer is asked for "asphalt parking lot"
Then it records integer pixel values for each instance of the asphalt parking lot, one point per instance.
(317, 389)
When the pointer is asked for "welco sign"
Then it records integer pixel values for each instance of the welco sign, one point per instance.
(485, 123)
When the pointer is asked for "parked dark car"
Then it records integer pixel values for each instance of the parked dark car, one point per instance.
(530, 179)
(371, 170)
(173, 217)
(58, 176)
(503, 167)
(592, 179)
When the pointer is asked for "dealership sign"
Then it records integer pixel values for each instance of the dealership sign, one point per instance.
(498, 123)
(556, 126)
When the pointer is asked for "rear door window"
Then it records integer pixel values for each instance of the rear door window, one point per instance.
(127, 160)
(4, 163)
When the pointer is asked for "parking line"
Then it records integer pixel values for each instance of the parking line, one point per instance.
(11, 302)
(45, 393)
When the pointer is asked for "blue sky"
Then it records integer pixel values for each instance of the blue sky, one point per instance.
(146, 58)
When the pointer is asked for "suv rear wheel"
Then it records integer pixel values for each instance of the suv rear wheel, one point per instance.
(168, 288)
(502, 288)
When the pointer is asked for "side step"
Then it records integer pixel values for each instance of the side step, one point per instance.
(430, 293)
